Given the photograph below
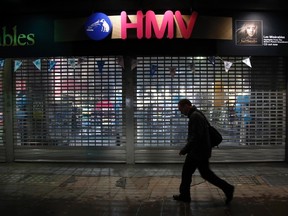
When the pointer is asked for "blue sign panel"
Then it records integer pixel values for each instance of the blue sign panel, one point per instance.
(98, 26)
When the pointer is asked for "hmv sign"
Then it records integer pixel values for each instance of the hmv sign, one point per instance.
(141, 26)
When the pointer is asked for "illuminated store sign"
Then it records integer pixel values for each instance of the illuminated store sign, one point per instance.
(11, 37)
(99, 26)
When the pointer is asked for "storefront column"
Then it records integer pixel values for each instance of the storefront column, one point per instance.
(8, 110)
(128, 92)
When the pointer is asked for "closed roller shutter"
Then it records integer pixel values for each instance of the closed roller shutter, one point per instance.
(247, 104)
(69, 109)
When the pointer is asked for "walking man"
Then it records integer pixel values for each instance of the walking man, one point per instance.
(198, 151)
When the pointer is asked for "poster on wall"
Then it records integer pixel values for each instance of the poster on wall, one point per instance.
(249, 32)
(261, 29)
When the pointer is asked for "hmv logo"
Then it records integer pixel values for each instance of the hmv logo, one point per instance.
(149, 25)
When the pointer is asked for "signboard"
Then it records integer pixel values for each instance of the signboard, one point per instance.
(140, 33)
(150, 25)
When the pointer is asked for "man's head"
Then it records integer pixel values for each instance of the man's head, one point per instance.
(184, 106)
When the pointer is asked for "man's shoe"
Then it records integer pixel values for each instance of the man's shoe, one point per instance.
(229, 195)
(180, 198)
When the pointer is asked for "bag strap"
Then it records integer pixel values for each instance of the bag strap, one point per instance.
(209, 125)
(204, 117)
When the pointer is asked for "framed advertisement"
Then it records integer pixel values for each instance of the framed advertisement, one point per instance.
(249, 32)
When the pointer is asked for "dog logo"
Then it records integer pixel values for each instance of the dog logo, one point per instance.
(98, 26)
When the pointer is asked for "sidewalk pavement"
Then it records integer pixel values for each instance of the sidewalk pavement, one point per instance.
(72, 189)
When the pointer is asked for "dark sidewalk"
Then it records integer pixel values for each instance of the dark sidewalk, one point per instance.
(143, 189)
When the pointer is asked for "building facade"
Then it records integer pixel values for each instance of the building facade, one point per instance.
(103, 86)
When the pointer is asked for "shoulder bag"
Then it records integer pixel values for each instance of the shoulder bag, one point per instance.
(215, 136)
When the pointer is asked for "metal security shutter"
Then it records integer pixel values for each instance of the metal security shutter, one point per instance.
(2, 147)
(69, 109)
(252, 120)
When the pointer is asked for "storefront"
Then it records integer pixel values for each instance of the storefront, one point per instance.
(104, 87)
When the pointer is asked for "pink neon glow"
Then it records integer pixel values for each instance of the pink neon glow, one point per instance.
(168, 20)
(186, 33)
(138, 25)
(151, 23)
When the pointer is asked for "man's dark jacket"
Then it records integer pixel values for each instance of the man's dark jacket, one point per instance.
(198, 142)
